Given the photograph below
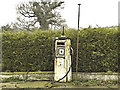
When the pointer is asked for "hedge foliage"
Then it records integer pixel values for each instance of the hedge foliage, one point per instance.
(32, 51)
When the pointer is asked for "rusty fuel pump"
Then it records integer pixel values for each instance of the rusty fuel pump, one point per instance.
(62, 59)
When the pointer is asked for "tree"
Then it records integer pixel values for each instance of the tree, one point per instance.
(43, 13)
(23, 24)
(6, 27)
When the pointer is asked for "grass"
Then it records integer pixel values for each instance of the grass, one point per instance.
(43, 84)
(12, 79)
(36, 84)
(17, 73)
(94, 82)
(16, 82)
(41, 72)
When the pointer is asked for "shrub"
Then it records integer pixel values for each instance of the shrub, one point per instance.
(32, 51)
(98, 50)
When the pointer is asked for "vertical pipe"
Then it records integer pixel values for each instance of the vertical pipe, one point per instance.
(78, 39)
(63, 31)
(78, 15)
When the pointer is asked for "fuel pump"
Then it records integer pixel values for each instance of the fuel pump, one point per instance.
(62, 61)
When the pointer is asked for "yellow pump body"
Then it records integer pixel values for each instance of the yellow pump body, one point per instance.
(62, 61)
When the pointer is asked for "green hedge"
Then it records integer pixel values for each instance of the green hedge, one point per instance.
(98, 50)
(32, 51)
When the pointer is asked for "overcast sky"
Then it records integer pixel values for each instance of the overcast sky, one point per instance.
(101, 12)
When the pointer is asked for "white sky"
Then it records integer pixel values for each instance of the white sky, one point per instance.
(92, 12)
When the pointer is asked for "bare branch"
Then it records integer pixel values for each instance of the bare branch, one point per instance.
(44, 12)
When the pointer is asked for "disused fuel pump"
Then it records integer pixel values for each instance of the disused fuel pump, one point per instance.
(62, 62)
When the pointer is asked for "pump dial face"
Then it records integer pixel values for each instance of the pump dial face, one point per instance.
(61, 51)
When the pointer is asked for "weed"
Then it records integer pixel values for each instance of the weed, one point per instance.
(94, 82)
(12, 79)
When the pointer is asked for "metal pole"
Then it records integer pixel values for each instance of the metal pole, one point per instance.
(78, 15)
(63, 31)
(78, 39)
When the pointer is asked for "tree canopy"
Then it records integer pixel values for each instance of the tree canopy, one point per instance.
(44, 13)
